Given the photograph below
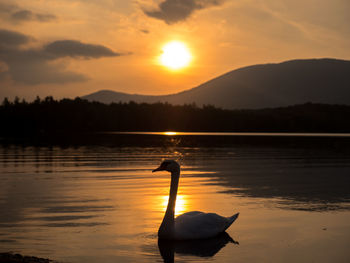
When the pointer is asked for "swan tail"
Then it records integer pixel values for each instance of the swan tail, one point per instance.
(231, 240)
(231, 219)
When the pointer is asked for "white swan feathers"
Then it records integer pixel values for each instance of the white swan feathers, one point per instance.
(191, 225)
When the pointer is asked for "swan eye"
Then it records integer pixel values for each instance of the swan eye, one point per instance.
(165, 164)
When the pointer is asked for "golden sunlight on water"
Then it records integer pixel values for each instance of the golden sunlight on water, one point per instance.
(100, 204)
(181, 204)
(170, 133)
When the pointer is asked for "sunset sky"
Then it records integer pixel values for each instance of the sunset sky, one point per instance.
(69, 48)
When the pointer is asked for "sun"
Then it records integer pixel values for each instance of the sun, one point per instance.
(175, 55)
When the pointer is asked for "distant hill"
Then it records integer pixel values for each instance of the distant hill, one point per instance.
(259, 86)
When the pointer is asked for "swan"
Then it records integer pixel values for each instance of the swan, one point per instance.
(190, 225)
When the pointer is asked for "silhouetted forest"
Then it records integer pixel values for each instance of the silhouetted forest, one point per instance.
(46, 116)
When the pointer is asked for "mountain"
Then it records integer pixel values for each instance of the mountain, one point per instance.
(259, 86)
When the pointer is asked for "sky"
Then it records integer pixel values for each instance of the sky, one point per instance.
(69, 48)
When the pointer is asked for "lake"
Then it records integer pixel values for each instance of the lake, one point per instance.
(94, 198)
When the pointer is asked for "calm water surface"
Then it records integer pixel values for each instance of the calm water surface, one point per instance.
(103, 204)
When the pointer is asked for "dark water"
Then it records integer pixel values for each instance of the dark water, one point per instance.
(97, 200)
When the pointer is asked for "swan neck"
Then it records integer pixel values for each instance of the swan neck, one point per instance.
(167, 228)
(173, 192)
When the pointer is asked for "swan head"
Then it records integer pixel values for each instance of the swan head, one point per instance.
(168, 165)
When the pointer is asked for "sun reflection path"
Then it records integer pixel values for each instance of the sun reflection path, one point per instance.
(181, 204)
(170, 133)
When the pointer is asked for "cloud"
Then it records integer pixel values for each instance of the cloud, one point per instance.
(45, 17)
(173, 11)
(27, 15)
(35, 66)
(6, 8)
(14, 13)
(10, 38)
(32, 70)
(73, 48)
(22, 15)
(145, 31)
(41, 65)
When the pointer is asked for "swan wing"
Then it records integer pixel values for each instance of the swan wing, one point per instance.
(197, 225)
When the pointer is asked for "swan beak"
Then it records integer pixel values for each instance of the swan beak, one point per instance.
(158, 169)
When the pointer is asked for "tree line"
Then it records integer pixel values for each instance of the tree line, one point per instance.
(46, 116)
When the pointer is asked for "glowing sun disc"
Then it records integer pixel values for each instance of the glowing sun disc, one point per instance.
(175, 55)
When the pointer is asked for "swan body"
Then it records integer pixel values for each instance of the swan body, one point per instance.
(190, 225)
(198, 225)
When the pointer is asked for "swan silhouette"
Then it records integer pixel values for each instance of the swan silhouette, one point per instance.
(191, 225)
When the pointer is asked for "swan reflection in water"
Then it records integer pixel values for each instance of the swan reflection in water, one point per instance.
(199, 247)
